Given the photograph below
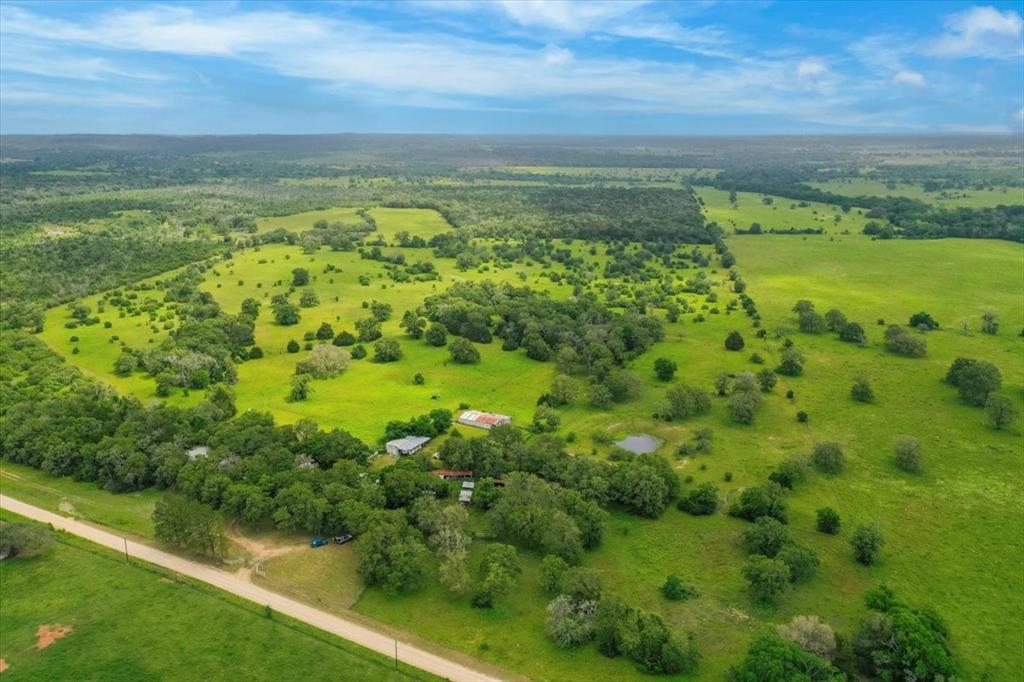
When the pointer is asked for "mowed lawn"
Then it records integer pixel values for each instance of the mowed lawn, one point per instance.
(782, 213)
(953, 198)
(136, 623)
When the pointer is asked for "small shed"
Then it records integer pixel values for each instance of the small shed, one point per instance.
(406, 446)
(197, 451)
(641, 444)
(466, 494)
(483, 420)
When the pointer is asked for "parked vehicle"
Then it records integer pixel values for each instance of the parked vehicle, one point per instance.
(317, 542)
(342, 539)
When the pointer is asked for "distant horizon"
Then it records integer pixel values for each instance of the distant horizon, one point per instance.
(886, 134)
(512, 67)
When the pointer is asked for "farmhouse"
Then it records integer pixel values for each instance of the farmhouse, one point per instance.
(483, 420)
(406, 446)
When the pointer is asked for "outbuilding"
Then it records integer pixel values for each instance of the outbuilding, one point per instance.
(408, 445)
(483, 420)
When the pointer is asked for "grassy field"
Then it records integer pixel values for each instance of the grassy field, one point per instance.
(417, 221)
(367, 395)
(953, 534)
(135, 622)
(782, 213)
(129, 512)
(954, 198)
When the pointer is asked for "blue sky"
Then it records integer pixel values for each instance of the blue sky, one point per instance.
(511, 66)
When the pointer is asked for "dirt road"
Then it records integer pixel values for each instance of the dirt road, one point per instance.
(353, 632)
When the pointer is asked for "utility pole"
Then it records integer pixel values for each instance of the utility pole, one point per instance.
(396, 654)
(125, 550)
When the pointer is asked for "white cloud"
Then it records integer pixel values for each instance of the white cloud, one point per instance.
(810, 68)
(566, 15)
(1020, 115)
(27, 94)
(556, 56)
(981, 32)
(907, 77)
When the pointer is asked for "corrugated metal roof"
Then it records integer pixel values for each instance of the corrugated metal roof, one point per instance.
(408, 442)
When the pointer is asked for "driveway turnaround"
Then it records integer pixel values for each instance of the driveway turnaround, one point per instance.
(346, 629)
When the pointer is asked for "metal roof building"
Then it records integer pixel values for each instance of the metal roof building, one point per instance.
(406, 446)
(483, 420)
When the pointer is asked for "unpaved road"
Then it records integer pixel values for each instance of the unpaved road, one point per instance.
(346, 629)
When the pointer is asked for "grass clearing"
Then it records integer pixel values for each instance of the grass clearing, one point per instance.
(781, 214)
(953, 198)
(138, 622)
(128, 512)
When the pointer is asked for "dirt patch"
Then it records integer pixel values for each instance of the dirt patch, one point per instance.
(3, 665)
(48, 634)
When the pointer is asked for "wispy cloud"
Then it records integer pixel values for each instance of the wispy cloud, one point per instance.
(908, 77)
(981, 32)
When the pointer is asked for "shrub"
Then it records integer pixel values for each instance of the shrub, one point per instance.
(790, 472)
(828, 458)
(293, 346)
(898, 642)
(862, 391)
(851, 332)
(463, 351)
(684, 401)
(323, 362)
(580, 584)
(23, 539)
(762, 500)
(898, 341)
(1000, 410)
(908, 454)
(743, 406)
(674, 589)
(570, 623)
(766, 379)
(772, 659)
(867, 543)
(802, 562)
(551, 569)
(387, 350)
(344, 338)
(923, 321)
(802, 417)
(437, 335)
(701, 501)
(835, 320)
(734, 341)
(974, 379)
(766, 578)
(767, 536)
(255, 353)
(665, 369)
(828, 520)
(811, 322)
(792, 364)
(810, 634)
(358, 351)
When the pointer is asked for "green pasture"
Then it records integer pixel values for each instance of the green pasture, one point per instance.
(136, 622)
(952, 533)
(953, 198)
(130, 512)
(782, 213)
